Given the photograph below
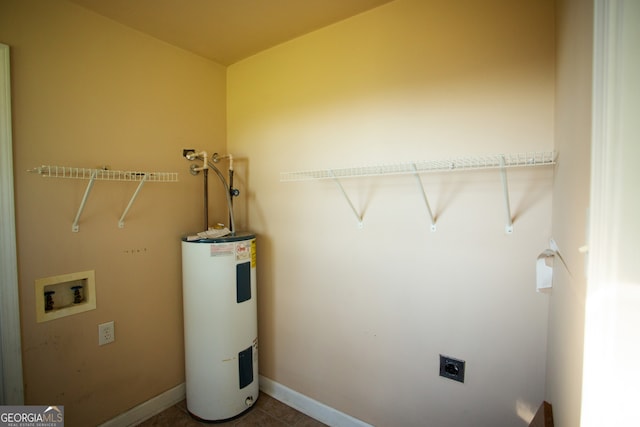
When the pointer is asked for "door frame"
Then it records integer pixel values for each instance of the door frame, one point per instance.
(613, 289)
(12, 388)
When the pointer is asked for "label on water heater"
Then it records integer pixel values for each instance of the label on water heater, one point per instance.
(222, 249)
(243, 251)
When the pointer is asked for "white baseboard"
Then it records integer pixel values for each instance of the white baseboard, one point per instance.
(149, 408)
(308, 406)
(292, 398)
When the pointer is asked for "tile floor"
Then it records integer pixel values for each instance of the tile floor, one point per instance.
(267, 412)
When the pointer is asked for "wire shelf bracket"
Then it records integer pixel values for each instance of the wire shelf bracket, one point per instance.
(496, 161)
(505, 189)
(75, 227)
(424, 196)
(94, 175)
(133, 198)
(346, 196)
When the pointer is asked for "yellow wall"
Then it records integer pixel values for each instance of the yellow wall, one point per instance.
(88, 92)
(570, 204)
(356, 318)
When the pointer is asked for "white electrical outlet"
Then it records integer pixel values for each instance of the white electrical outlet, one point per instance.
(106, 333)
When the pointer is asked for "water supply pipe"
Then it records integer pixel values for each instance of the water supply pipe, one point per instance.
(192, 155)
(232, 225)
(229, 191)
(232, 191)
(206, 198)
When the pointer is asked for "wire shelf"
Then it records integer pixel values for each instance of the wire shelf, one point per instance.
(494, 161)
(47, 171)
(93, 175)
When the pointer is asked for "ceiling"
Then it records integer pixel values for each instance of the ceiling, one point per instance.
(227, 31)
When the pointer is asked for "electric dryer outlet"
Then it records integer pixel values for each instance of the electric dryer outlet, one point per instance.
(452, 368)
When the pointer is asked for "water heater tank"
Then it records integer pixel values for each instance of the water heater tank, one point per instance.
(220, 325)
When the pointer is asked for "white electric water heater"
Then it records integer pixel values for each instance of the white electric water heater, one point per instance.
(220, 325)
